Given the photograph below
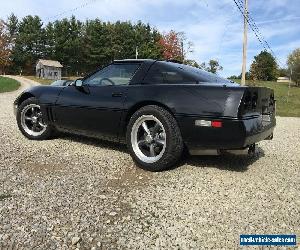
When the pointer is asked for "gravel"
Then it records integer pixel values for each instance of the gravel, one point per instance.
(79, 193)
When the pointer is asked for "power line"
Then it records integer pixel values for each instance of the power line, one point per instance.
(247, 19)
(259, 33)
(71, 10)
(255, 29)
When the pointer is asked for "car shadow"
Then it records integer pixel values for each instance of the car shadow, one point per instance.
(229, 162)
(237, 163)
(95, 142)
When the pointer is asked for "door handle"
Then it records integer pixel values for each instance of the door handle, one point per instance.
(117, 94)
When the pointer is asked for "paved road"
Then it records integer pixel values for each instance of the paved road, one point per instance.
(73, 192)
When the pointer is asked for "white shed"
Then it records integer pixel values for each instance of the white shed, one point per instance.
(48, 69)
(283, 79)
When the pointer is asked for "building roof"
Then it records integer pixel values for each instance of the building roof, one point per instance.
(50, 63)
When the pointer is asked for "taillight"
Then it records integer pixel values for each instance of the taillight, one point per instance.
(207, 123)
(216, 124)
(254, 100)
(247, 101)
(250, 100)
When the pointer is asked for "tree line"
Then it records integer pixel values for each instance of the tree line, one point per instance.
(265, 68)
(79, 46)
(84, 46)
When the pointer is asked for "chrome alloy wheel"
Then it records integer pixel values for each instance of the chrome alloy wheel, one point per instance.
(32, 120)
(148, 138)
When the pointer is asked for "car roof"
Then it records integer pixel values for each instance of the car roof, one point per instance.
(134, 60)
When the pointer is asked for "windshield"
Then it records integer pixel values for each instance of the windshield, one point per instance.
(61, 82)
(58, 83)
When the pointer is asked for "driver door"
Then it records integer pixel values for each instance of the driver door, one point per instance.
(96, 107)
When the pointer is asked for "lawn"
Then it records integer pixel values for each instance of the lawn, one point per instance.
(7, 84)
(287, 105)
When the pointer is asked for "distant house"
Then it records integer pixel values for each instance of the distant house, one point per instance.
(283, 79)
(48, 69)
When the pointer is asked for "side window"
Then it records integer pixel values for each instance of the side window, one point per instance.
(160, 73)
(114, 74)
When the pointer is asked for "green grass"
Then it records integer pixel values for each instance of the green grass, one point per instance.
(287, 105)
(40, 80)
(7, 84)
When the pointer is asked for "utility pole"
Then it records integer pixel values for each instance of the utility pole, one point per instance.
(288, 95)
(182, 52)
(243, 82)
(136, 52)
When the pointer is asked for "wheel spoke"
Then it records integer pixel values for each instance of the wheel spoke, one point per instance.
(156, 128)
(142, 143)
(145, 127)
(152, 152)
(28, 118)
(160, 142)
(34, 127)
(41, 124)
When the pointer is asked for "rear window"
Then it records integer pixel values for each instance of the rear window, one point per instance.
(172, 73)
(164, 73)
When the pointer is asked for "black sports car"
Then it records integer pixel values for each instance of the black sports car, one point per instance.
(156, 107)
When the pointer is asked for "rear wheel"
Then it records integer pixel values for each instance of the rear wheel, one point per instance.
(31, 122)
(154, 139)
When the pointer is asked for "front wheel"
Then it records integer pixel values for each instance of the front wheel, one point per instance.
(154, 139)
(31, 122)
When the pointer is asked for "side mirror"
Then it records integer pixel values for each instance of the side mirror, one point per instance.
(78, 83)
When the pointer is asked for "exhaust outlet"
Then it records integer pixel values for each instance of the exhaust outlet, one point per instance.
(245, 151)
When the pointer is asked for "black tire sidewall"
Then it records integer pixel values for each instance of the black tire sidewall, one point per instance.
(174, 144)
(47, 133)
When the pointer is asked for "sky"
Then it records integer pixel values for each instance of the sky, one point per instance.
(215, 27)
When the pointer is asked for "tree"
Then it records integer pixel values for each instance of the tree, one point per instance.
(192, 63)
(294, 65)
(247, 76)
(83, 47)
(264, 67)
(68, 44)
(147, 41)
(213, 66)
(29, 44)
(5, 50)
(174, 46)
(12, 26)
(283, 72)
(233, 77)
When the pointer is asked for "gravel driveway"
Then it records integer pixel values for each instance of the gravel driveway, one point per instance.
(73, 192)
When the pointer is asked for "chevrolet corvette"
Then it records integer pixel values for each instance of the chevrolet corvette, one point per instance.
(157, 108)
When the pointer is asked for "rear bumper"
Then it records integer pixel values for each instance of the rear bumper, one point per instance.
(234, 133)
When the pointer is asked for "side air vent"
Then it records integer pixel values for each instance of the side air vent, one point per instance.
(50, 114)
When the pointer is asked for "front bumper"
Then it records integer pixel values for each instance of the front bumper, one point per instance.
(234, 133)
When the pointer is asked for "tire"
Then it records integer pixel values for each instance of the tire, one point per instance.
(30, 120)
(161, 147)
